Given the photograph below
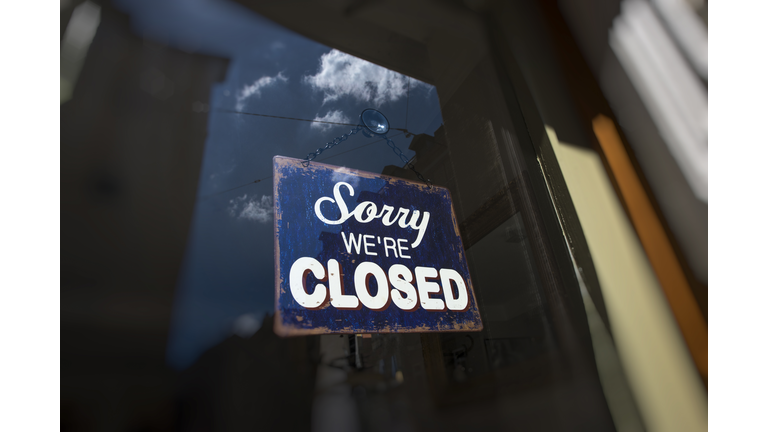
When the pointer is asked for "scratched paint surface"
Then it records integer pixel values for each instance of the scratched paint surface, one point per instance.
(300, 233)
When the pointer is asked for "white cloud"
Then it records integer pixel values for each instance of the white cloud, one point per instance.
(343, 174)
(254, 208)
(224, 172)
(332, 116)
(255, 88)
(341, 74)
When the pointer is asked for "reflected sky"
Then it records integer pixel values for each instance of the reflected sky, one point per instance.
(227, 280)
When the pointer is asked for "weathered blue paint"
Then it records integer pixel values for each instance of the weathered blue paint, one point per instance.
(300, 233)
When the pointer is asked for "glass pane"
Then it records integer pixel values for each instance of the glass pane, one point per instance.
(167, 237)
(289, 98)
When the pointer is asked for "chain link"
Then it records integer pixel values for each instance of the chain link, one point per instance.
(407, 161)
(311, 156)
(329, 145)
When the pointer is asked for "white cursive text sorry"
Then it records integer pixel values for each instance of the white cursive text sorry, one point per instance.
(366, 211)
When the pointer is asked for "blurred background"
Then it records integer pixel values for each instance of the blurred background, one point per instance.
(572, 135)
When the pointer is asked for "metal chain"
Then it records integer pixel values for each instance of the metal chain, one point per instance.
(311, 156)
(407, 161)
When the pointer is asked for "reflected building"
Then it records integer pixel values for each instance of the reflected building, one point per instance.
(132, 139)
(262, 382)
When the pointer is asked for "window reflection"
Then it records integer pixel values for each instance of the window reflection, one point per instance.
(168, 111)
(291, 103)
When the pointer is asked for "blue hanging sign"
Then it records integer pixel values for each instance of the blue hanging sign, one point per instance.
(357, 252)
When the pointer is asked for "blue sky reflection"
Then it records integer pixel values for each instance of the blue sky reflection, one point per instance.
(228, 273)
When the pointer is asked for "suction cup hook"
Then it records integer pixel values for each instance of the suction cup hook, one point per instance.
(374, 123)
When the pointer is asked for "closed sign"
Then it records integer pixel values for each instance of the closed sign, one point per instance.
(358, 252)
